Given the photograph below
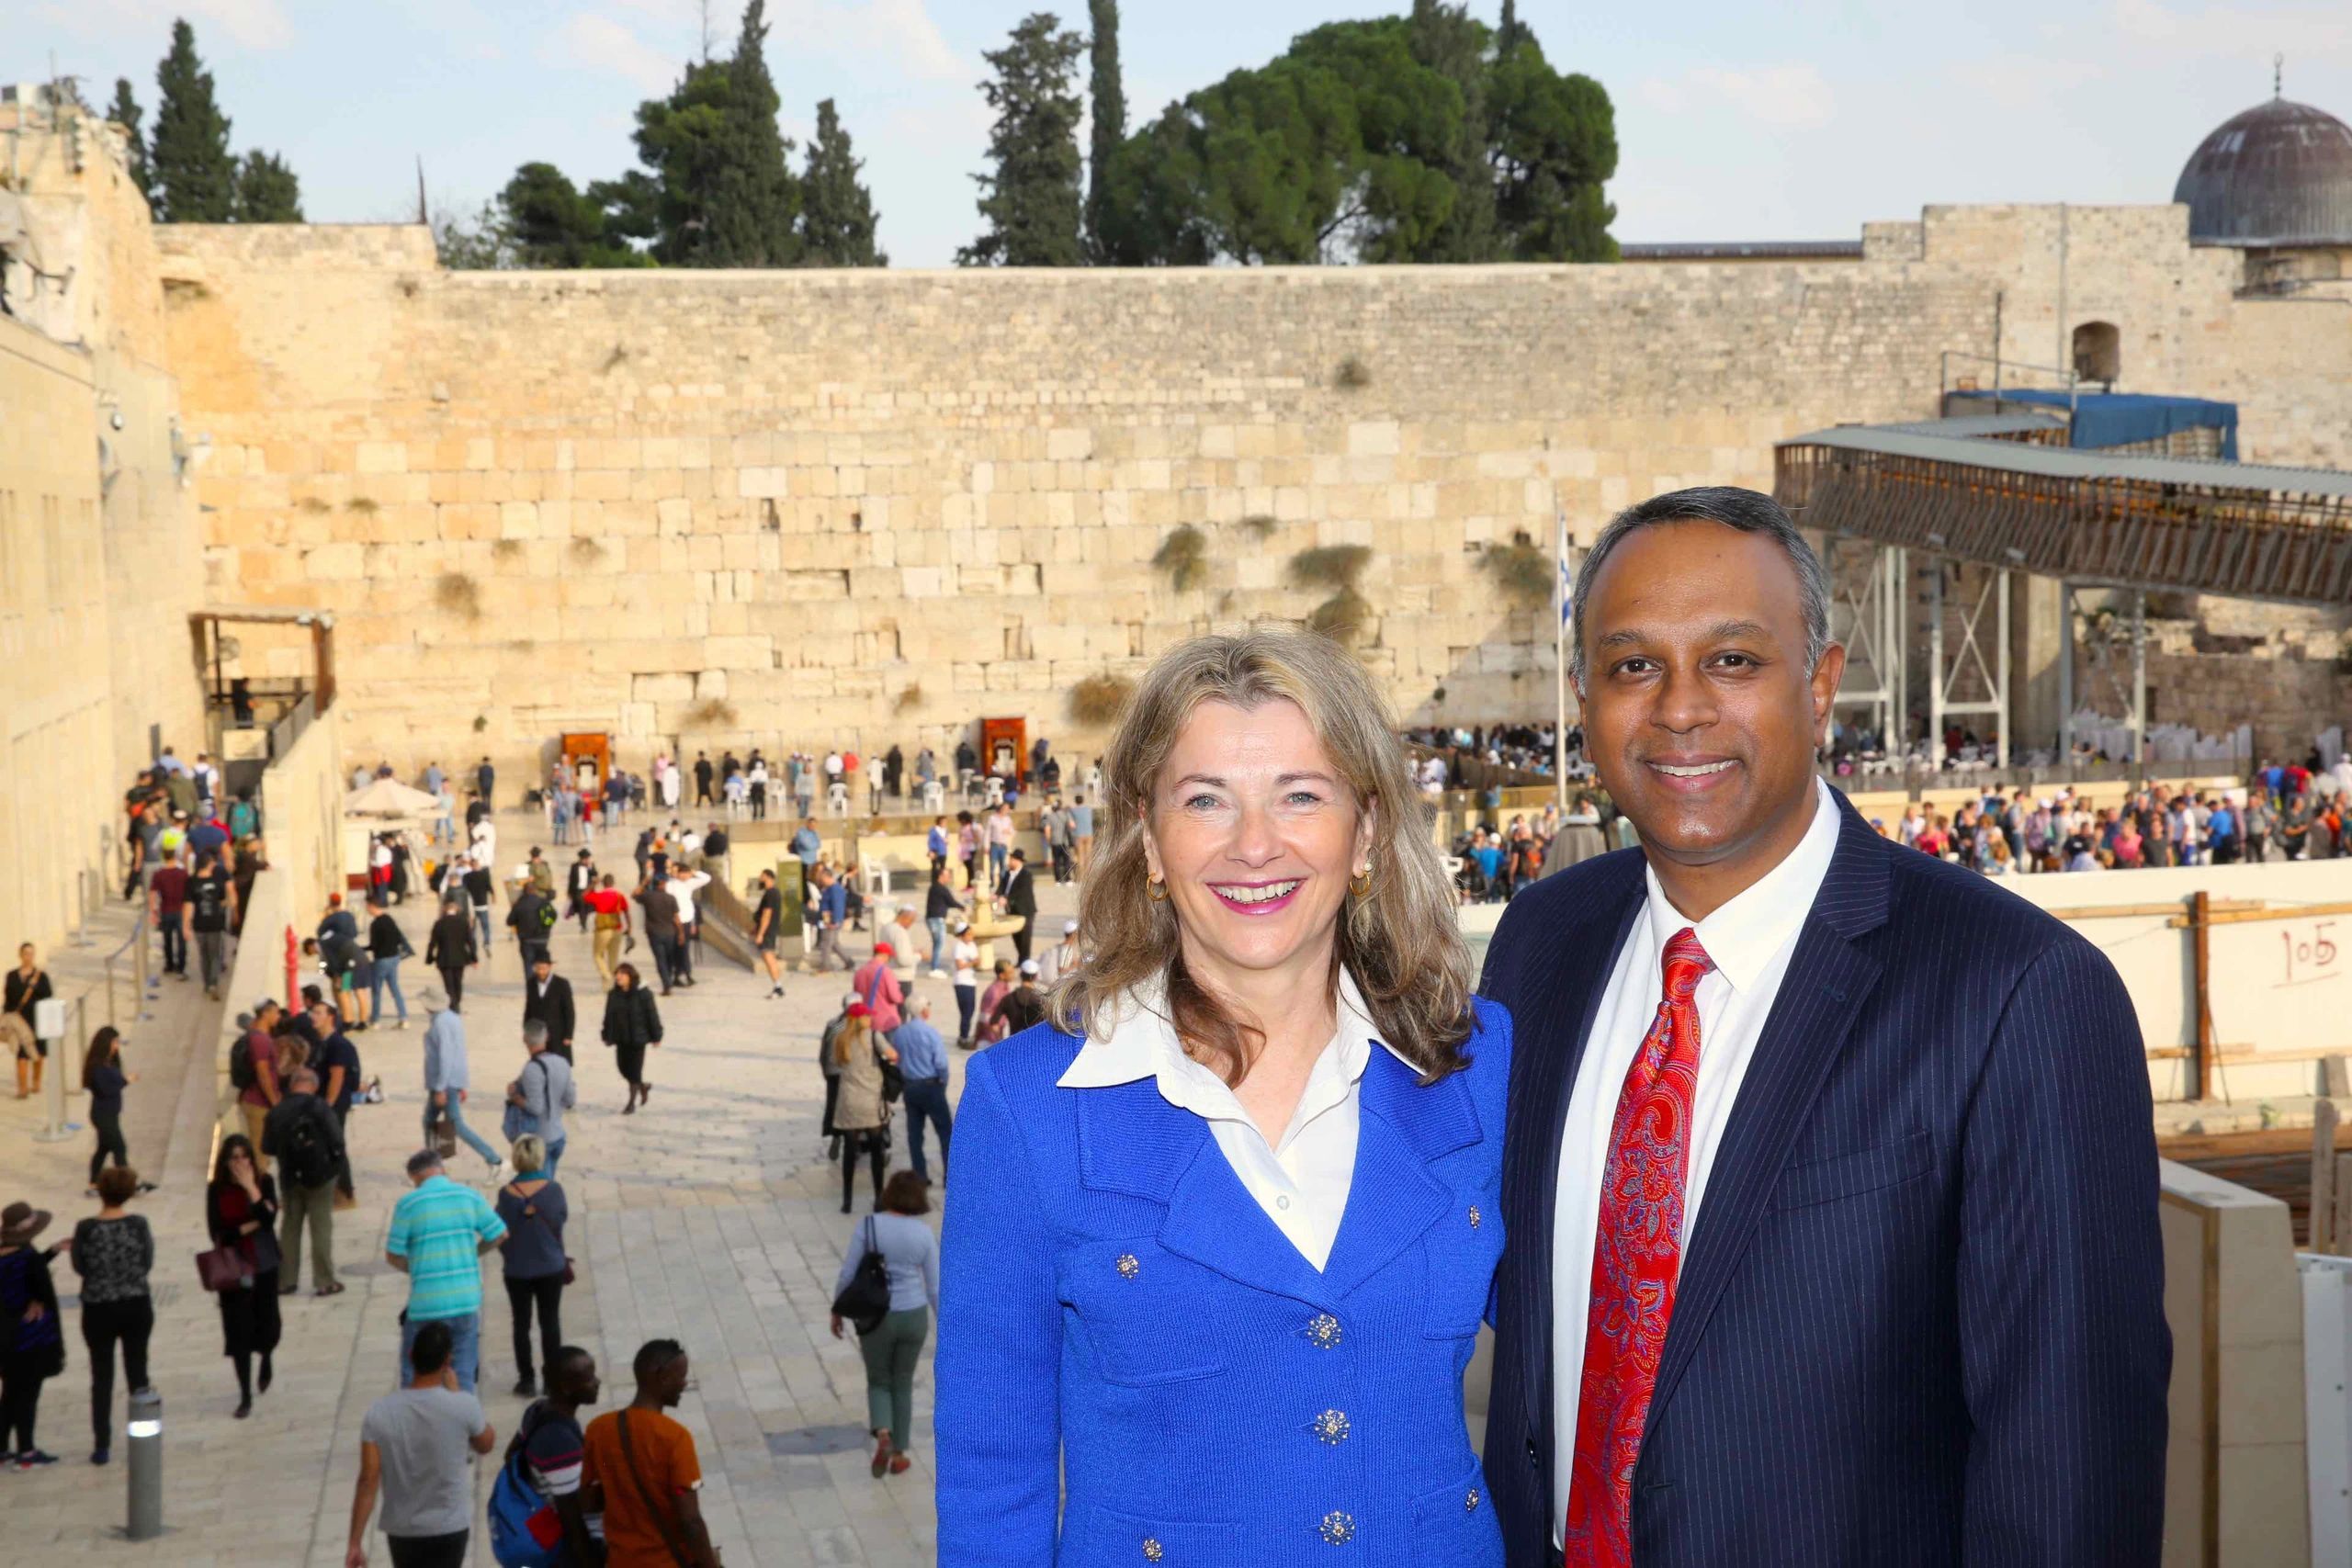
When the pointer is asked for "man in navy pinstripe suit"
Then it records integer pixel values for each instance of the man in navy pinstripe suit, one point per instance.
(1829, 1182)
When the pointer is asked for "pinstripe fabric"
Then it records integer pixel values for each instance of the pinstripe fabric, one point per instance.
(1921, 1318)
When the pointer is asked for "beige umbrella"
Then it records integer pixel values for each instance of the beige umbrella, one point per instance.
(389, 797)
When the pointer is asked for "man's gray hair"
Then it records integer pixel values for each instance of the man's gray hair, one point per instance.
(423, 1161)
(303, 1078)
(1745, 510)
(535, 1032)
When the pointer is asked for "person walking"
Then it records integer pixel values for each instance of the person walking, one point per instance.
(241, 1212)
(940, 906)
(631, 1023)
(211, 907)
(450, 949)
(684, 883)
(663, 929)
(104, 1079)
(113, 1251)
(253, 1067)
(26, 988)
(963, 963)
(534, 1210)
(644, 1466)
(540, 1093)
(439, 1232)
(922, 1067)
(417, 1447)
(1065, 957)
(547, 998)
(830, 895)
(167, 911)
(892, 1349)
(387, 946)
(550, 1449)
(608, 912)
(32, 1342)
(532, 920)
(303, 1136)
(446, 1075)
(1082, 831)
(877, 987)
(767, 929)
(1017, 896)
(832, 1074)
(861, 1108)
(1021, 1007)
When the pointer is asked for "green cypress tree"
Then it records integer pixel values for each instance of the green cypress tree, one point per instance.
(1109, 105)
(680, 140)
(268, 191)
(194, 177)
(126, 113)
(1509, 34)
(1032, 201)
(754, 198)
(837, 211)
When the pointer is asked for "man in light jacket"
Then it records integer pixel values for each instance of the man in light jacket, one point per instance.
(446, 1079)
(543, 1092)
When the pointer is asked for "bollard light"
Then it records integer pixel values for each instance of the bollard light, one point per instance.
(146, 1429)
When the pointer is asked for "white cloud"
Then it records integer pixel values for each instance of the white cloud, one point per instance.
(250, 24)
(594, 42)
(1788, 97)
(2307, 30)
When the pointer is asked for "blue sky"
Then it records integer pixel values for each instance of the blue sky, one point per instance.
(1796, 120)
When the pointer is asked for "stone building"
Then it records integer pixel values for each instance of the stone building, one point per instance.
(797, 509)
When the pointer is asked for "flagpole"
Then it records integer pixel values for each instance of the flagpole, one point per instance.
(1560, 653)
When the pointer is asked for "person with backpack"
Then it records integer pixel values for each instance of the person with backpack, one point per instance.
(211, 905)
(538, 1516)
(532, 919)
(253, 1068)
(541, 1093)
(891, 1341)
(301, 1134)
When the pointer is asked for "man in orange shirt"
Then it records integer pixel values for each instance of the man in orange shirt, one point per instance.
(642, 1473)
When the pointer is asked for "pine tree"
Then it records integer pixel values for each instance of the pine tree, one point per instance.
(127, 114)
(754, 198)
(195, 177)
(1109, 105)
(1032, 201)
(679, 139)
(837, 211)
(268, 191)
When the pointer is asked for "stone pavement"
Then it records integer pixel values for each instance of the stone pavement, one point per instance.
(711, 1216)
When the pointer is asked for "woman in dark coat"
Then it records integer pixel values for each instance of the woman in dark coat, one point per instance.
(241, 1211)
(631, 1025)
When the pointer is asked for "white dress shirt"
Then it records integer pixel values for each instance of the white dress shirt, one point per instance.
(1301, 1179)
(1751, 939)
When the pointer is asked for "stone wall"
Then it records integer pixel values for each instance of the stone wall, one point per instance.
(795, 509)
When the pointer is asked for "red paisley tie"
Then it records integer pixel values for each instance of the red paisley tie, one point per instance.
(1636, 1257)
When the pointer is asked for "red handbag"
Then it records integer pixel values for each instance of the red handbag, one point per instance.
(222, 1269)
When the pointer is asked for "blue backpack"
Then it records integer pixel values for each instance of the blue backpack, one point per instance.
(525, 1531)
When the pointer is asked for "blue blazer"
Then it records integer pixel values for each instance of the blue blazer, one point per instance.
(1117, 1314)
(1921, 1318)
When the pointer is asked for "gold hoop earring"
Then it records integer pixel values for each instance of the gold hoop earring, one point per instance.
(1360, 884)
(1156, 890)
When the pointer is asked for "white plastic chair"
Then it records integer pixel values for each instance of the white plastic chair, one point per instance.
(996, 791)
(934, 798)
(873, 872)
(837, 800)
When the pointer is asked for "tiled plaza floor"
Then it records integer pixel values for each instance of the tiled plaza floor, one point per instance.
(709, 1216)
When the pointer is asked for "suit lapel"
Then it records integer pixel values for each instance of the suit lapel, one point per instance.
(1820, 997)
(1132, 1141)
(1551, 1038)
(1393, 1197)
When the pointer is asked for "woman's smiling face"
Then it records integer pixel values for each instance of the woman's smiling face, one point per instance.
(1255, 833)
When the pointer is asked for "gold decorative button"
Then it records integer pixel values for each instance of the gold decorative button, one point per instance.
(1332, 1427)
(1470, 1504)
(1476, 1219)
(1152, 1550)
(1128, 1266)
(1323, 1329)
(1338, 1529)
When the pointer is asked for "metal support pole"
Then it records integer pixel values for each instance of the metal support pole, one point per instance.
(2139, 684)
(2065, 674)
(146, 1467)
(1897, 737)
(2001, 663)
(1936, 663)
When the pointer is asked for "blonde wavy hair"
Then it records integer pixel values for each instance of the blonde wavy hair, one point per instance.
(1400, 939)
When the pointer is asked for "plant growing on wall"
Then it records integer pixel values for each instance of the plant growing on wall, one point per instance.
(1342, 617)
(458, 594)
(317, 506)
(1346, 614)
(1096, 701)
(362, 505)
(1184, 556)
(506, 552)
(908, 699)
(1522, 573)
(1352, 375)
(712, 712)
(1259, 524)
(585, 552)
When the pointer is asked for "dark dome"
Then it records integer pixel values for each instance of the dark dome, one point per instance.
(2280, 174)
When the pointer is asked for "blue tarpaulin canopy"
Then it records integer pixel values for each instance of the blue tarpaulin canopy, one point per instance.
(2127, 419)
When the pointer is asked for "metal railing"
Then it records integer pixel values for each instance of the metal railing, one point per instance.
(129, 960)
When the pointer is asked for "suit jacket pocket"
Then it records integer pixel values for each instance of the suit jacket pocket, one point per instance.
(1146, 1316)
(1850, 1175)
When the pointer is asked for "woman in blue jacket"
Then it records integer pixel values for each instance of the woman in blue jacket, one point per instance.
(1227, 1228)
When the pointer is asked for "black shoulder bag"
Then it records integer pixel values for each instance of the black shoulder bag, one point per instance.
(866, 1300)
